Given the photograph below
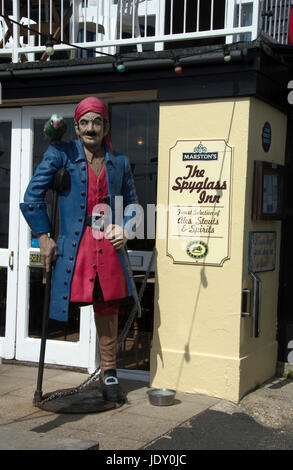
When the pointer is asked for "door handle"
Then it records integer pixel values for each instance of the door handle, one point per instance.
(255, 304)
(246, 301)
(10, 260)
(252, 297)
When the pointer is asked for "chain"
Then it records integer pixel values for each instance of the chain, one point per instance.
(94, 376)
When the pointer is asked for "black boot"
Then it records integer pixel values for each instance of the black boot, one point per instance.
(111, 387)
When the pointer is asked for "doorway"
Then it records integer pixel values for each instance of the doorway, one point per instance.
(134, 133)
(10, 145)
(72, 343)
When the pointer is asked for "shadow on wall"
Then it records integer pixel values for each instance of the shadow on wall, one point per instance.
(157, 324)
(203, 284)
(203, 276)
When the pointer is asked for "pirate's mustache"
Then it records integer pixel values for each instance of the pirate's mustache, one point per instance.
(91, 133)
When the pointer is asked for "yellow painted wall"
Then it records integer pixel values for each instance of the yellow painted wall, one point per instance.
(259, 355)
(200, 342)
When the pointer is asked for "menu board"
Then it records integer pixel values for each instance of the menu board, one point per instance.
(199, 202)
(262, 251)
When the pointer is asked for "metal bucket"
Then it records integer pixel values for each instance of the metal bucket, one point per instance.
(161, 396)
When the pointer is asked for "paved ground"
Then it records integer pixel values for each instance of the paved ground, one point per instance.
(263, 419)
(132, 426)
(225, 426)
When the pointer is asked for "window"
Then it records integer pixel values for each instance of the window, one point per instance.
(134, 133)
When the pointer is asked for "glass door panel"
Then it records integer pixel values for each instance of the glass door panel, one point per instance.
(134, 132)
(5, 155)
(3, 295)
(59, 331)
(67, 343)
(10, 140)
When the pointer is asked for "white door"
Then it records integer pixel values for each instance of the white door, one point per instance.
(72, 343)
(10, 145)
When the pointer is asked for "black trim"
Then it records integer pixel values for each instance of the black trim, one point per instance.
(255, 73)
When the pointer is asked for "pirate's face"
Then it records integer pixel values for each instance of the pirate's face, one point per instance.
(91, 128)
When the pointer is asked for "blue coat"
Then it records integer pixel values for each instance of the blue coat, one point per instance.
(73, 204)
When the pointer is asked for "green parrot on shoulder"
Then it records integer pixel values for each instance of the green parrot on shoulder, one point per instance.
(55, 127)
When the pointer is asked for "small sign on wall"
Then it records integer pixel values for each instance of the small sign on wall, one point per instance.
(268, 191)
(199, 202)
(35, 260)
(262, 251)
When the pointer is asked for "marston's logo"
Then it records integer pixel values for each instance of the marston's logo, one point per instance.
(200, 153)
(197, 249)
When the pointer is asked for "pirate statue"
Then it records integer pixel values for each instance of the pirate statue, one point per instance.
(91, 264)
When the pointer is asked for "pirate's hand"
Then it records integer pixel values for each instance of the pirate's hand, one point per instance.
(48, 249)
(116, 235)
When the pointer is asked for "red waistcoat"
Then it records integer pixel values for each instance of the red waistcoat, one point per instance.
(96, 255)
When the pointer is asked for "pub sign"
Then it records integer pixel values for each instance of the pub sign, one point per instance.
(199, 202)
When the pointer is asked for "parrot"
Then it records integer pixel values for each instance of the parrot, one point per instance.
(55, 127)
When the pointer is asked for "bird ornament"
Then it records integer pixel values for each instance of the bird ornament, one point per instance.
(55, 127)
